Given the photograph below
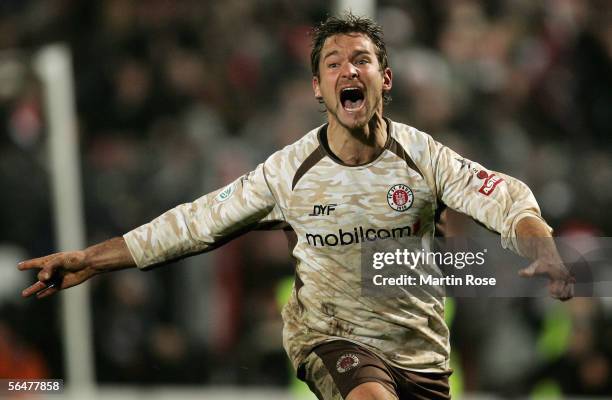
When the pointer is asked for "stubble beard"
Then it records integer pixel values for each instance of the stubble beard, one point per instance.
(357, 125)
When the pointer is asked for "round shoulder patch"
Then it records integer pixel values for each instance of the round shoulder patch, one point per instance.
(482, 174)
(400, 197)
(347, 362)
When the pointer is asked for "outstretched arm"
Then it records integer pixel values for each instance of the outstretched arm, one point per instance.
(66, 269)
(187, 229)
(535, 242)
(505, 205)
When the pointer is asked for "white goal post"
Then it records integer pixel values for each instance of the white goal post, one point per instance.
(53, 64)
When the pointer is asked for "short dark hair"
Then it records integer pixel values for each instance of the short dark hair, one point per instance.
(347, 24)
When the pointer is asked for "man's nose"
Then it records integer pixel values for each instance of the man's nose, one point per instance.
(349, 71)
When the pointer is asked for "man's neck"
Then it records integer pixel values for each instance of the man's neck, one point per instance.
(357, 147)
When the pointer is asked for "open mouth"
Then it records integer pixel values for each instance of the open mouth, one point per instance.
(351, 98)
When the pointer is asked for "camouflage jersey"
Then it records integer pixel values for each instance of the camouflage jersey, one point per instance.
(327, 210)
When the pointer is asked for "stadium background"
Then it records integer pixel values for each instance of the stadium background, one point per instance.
(175, 99)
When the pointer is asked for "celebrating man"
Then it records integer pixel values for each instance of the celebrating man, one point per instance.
(360, 177)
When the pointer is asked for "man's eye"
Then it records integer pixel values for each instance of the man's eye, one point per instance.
(362, 62)
(333, 65)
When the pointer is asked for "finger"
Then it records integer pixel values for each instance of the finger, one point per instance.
(529, 271)
(50, 261)
(47, 292)
(557, 288)
(572, 289)
(35, 288)
(33, 263)
(49, 266)
(561, 290)
(564, 297)
(45, 274)
(45, 289)
(568, 292)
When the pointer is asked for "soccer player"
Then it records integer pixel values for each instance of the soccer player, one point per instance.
(359, 177)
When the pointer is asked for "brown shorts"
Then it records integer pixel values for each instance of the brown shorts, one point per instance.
(335, 368)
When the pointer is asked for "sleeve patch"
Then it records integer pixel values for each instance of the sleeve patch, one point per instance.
(226, 193)
(489, 184)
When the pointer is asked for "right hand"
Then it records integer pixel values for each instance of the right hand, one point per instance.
(62, 270)
(560, 281)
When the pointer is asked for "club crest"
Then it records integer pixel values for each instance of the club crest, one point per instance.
(400, 197)
(347, 362)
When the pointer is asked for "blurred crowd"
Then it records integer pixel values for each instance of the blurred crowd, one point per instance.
(177, 98)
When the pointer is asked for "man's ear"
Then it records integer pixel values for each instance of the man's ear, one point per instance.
(387, 79)
(316, 88)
